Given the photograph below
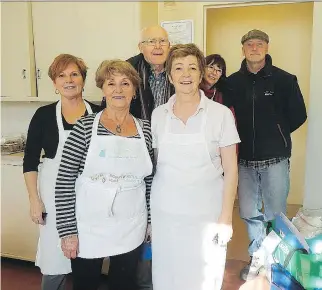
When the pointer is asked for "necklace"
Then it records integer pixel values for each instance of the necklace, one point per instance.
(118, 127)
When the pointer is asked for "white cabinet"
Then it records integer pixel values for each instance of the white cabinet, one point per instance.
(19, 235)
(94, 31)
(17, 61)
(34, 33)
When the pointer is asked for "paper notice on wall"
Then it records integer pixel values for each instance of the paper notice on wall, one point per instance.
(180, 31)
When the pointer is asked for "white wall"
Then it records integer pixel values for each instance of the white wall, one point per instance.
(16, 116)
(312, 187)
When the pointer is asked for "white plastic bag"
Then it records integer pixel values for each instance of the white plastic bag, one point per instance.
(308, 222)
(263, 257)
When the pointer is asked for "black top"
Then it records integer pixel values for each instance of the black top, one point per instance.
(43, 134)
(269, 106)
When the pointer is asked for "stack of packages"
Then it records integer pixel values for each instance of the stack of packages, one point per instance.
(291, 254)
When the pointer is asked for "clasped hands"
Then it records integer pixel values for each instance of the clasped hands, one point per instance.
(69, 246)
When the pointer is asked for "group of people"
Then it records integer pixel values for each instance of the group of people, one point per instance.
(109, 180)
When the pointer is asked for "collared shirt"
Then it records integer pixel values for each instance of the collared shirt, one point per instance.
(261, 164)
(158, 87)
(220, 125)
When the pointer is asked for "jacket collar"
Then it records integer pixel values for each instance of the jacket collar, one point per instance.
(265, 71)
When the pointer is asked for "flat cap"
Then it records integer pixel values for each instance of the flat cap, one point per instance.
(255, 34)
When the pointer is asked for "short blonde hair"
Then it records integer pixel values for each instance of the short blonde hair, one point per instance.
(184, 50)
(109, 67)
(62, 61)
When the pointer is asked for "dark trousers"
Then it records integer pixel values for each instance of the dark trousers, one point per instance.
(121, 275)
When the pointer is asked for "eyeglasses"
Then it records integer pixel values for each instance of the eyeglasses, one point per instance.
(212, 68)
(154, 41)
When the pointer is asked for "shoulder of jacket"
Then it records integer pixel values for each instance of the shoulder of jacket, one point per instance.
(282, 73)
(283, 77)
(134, 60)
(234, 76)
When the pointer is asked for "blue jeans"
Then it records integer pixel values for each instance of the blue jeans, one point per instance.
(269, 186)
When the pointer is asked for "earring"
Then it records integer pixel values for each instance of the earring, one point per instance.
(83, 90)
(56, 92)
(134, 97)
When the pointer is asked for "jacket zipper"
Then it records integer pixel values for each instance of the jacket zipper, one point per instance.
(279, 128)
(254, 134)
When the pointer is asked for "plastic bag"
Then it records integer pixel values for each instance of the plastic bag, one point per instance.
(308, 222)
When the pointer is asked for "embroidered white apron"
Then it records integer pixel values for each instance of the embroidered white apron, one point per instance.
(111, 207)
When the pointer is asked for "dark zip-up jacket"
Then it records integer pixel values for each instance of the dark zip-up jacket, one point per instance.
(269, 106)
(143, 105)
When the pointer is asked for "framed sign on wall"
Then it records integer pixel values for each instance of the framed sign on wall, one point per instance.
(180, 31)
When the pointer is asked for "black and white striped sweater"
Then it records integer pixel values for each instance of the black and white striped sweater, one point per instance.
(72, 165)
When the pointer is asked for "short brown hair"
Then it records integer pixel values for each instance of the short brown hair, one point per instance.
(109, 67)
(184, 50)
(62, 61)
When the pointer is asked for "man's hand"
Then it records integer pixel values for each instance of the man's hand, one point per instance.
(69, 246)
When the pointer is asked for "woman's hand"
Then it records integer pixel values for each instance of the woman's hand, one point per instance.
(69, 246)
(36, 209)
(223, 231)
(148, 234)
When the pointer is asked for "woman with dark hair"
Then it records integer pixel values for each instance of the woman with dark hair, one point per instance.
(213, 82)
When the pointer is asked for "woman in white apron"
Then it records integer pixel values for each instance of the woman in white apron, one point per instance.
(191, 200)
(48, 131)
(103, 185)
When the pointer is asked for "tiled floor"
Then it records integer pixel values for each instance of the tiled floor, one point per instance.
(19, 275)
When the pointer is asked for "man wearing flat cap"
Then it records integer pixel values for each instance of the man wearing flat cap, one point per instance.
(269, 106)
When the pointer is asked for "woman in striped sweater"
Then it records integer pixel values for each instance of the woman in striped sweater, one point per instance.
(103, 185)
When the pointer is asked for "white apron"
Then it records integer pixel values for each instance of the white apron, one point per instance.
(186, 201)
(111, 207)
(50, 258)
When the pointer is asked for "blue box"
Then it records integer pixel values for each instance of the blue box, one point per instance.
(146, 252)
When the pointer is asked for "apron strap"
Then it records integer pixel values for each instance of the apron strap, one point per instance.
(95, 124)
(59, 120)
(88, 107)
(139, 128)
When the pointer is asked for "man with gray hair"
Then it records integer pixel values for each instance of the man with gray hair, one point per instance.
(269, 106)
(155, 89)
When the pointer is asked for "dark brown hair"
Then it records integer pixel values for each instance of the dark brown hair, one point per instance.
(217, 59)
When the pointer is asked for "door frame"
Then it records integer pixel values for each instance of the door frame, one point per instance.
(243, 3)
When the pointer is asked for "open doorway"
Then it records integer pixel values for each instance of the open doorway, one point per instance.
(289, 27)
